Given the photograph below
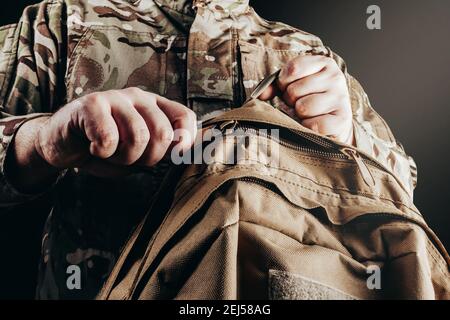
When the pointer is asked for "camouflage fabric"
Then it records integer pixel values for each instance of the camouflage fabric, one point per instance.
(208, 54)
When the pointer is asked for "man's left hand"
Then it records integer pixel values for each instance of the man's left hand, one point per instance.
(317, 88)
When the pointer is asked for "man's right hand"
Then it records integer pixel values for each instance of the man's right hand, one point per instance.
(105, 133)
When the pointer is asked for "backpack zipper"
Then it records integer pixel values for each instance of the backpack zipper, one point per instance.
(342, 153)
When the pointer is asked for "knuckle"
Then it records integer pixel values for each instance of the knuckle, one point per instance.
(94, 99)
(187, 114)
(141, 137)
(292, 67)
(337, 84)
(107, 137)
(336, 75)
(291, 92)
(133, 91)
(151, 98)
(121, 100)
(151, 95)
(190, 114)
(163, 134)
(331, 73)
(121, 94)
(301, 107)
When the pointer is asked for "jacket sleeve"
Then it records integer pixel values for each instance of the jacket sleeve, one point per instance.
(30, 69)
(374, 136)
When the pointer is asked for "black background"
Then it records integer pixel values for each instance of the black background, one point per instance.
(405, 69)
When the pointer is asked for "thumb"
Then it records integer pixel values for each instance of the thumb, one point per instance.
(271, 92)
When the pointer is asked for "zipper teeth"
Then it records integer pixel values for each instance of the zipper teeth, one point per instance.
(260, 182)
(328, 145)
(335, 149)
(291, 145)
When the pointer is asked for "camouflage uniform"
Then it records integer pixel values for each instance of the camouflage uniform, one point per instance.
(207, 54)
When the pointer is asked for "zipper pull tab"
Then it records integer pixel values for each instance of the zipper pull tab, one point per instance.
(228, 127)
(264, 84)
(362, 166)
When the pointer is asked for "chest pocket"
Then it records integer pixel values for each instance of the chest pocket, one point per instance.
(112, 58)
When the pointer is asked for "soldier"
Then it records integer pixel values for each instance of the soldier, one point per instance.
(93, 90)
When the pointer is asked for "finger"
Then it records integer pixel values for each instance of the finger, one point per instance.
(99, 126)
(271, 92)
(133, 131)
(183, 120)
(316, 83)
(316, 105)
(161, 131)
(301, 67)
(329, 125)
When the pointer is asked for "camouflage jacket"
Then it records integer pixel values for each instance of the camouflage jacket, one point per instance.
(207, 54)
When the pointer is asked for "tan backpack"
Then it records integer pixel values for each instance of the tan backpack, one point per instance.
(300, 216)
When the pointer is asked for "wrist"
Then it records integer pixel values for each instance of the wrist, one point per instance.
(26, 144)
(26, 168)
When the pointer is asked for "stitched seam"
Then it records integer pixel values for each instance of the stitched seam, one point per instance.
(76, 54)
(284, 51)
(262, 172)
(131, 32)
(347, 254)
